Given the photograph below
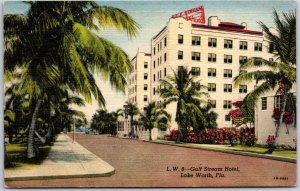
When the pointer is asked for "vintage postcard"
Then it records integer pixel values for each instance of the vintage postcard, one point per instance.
(150, 94)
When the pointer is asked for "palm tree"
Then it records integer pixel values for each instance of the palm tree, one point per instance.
(154, 116)
(54, 42)
(131, 110)
(282, 71)
(183, 90)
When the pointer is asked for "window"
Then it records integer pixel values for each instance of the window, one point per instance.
(264, 103)
(145, 98)
(211, 72)
(212, 57)
(211, 87)
(227, 104)
(165, 41)
(271, 59)
(154, 77)
(227, 117)
(227, 87)
(196, 40)
(165, 57)
(165, 71)
(243, 59)
(145, 76)
(160, 60)
(196, 85)
(227, 59)
(158, 47)
(212, 42)
(212, 103)
(243, 88)
(153, 91)
(180, 39)
(153, 64)
(196, 56)
(145, 87)
(257, 46)
(157, 61)
(227, 43)
(161, 45)
(278, 101)
(227, 73)
(243, 45)
(145, 64)
(195, 71)
(154, 50)
(180, 55)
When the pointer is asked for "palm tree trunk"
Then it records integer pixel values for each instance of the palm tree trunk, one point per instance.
(7, 162)
(131, 126)
(282, 110)
(31, 149)
(150, 136)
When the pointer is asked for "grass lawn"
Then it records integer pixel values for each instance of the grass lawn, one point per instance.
(17, 155)
(253, 149)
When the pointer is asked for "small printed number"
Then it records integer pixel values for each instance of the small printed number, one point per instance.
(280, 178)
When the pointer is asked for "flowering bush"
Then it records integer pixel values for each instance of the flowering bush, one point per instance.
(288, 117)
(235, 113)
(214, 136)
(247, 136)
(172, 136)
(270, 140)
(270, 143)
(238, 104)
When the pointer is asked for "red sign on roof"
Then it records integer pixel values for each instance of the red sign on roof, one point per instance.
(195, 15)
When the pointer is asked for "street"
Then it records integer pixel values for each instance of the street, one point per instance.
(142, 164)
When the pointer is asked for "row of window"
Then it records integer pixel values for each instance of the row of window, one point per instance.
(160, 46)
(228, 44)
(227, 104)
(212, 87)
(212, 72)
(133, 99)
(212, 57)
(159, 74)
(159, 60)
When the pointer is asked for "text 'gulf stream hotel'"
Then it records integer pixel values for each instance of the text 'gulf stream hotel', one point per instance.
(213, 53)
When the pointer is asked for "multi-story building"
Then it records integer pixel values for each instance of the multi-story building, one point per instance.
(139, 80)
(138, 87)
(213, 52)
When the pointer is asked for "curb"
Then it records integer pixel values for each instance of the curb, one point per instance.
(108, 174)
(257, 155)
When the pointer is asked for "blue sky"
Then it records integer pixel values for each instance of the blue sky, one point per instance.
(153, 16)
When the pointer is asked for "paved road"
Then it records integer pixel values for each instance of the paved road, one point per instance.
(142, 164)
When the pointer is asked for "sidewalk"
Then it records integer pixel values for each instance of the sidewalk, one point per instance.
(65, 160)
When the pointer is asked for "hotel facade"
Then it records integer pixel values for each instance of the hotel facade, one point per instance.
(213, 53)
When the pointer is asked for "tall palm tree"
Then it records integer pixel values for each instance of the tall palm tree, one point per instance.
(280, 72)
(55, 40)
(131, 110)
(154, 116)
(187, 94)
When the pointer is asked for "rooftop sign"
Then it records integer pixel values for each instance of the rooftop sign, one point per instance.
(195, 15)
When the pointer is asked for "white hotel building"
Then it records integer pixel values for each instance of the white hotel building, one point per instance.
(213, 52)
